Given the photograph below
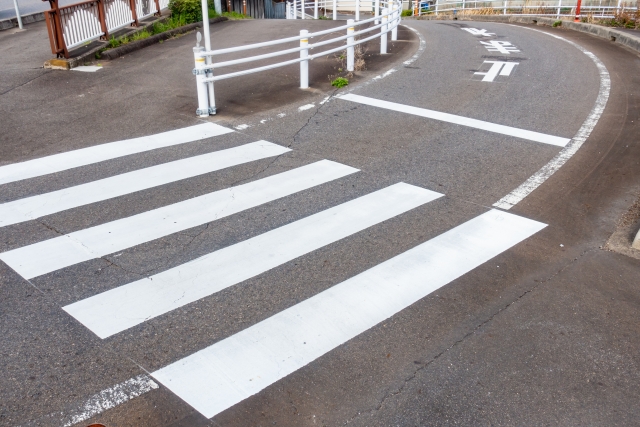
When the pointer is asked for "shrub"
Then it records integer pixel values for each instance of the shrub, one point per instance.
(186, 10)
(557, 23)
(407, 12)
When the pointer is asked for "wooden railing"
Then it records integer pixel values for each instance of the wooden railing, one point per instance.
(78, 24)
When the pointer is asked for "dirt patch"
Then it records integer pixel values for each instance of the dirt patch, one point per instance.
(626, 230)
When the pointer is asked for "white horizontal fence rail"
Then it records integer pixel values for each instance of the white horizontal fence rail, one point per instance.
(353, 33)
(559, 8)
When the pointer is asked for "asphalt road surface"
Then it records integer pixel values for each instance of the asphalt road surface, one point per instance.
(422, 247)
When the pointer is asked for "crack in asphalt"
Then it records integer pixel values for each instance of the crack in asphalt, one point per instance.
(423, 366)
(27, 82)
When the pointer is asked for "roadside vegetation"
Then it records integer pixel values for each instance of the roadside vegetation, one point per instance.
(183, 12)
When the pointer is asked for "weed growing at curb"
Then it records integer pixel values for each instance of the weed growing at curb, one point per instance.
(340, 82)
(557, 24)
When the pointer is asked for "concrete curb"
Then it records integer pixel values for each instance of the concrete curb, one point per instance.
(137, 45)
(608, 33)
(8, 24)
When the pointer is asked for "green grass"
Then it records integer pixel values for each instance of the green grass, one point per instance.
(557, 23)
(407, 12)
(340, 82)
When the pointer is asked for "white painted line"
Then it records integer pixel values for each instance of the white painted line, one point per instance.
(87, 68)
(54, 254)
(112, 150)
(459, 120)
(479, 33)
(237, 367)
(516, 196)
(497, 68)
(121, 308)
(99, 402)
(306, 107)
(503, 47)
(46, 204)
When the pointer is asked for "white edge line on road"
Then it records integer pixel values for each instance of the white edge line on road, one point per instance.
(516, 196)
(98, 403)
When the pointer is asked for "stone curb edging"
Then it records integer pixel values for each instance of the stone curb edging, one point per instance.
(137, 45)
(608, 33)
(10, 23)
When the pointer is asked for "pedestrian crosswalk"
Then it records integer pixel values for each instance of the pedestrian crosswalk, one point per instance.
(228, 371)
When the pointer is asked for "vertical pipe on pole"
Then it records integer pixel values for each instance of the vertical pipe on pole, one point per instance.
(203, 98)
(15, 5)
(357, 10)
(394, 17)
(335, 10)
(377, 11)
(304, 65)
(350, 43)
(383, 31)
(315, 9)
(207, 47)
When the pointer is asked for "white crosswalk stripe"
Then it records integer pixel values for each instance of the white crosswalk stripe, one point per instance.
(56, 201)
(215, 378)
(50, 255)
(112, 150)
(121, 308)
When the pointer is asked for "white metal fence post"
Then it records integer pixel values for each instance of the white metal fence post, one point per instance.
(335, 10)
(383, 31)
(207, 46)
(504, 12)
(436, 7)
(15, 5)
(304, 65)
(357, 10)
(559, 7)
(376, 11)
(302, 8)
(350, 48)
(201, 85)
(315, 9)
(394, 32)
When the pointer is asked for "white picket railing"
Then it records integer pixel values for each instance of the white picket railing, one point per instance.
(145, 8)
(386, 19)
(557, 8)
(118, 14)
(80, 23)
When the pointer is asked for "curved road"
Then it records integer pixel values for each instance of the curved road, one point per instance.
(381, 288)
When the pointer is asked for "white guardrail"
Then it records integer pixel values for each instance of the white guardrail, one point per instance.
(386, 17)
(558, 8)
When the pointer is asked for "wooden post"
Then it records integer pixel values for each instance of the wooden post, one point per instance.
(244, 7)
(102, 18)
(134, 13)
(158, 13)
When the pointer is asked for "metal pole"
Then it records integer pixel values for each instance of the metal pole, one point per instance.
(504, 12)
(559, 7)
(335, 10)
(15, 5)
(350, 49)
(203, 99)
(383, 31)
(377, 11)
(207, 47)
(304, 65)
(436, 7)
(302, 7)
(217, 5)
(394, 32)
(295, 9)
(357, 10)
(315, 9)
(577, 19)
